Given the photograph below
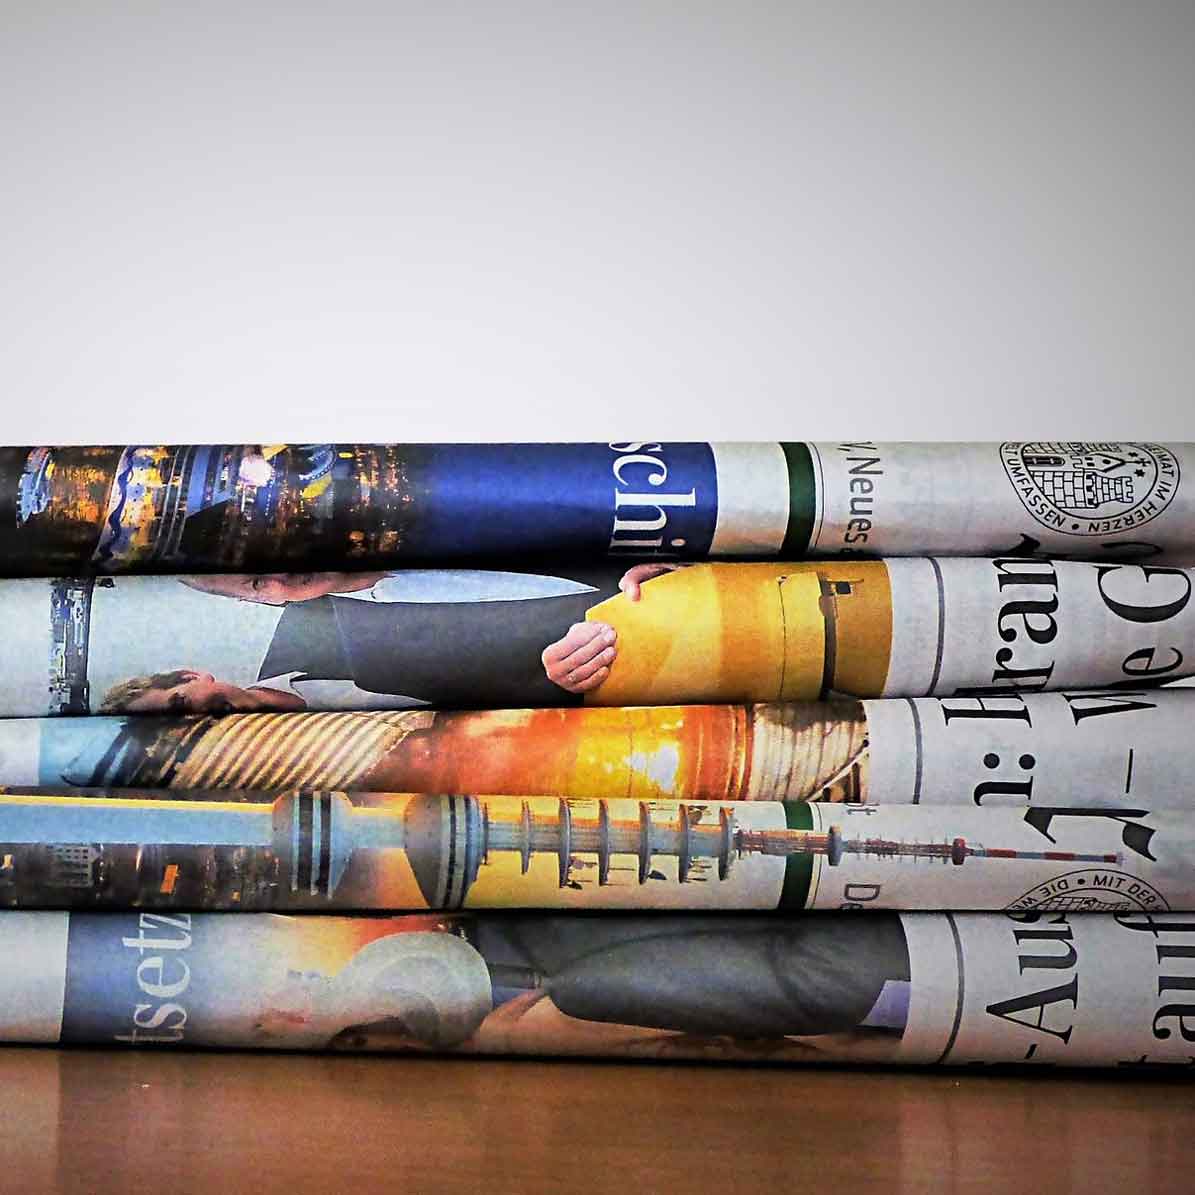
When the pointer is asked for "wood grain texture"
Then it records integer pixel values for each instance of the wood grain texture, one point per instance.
(84, 1121)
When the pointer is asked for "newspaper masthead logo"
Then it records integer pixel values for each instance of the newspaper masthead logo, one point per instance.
(1092, 890)
(1088, 487)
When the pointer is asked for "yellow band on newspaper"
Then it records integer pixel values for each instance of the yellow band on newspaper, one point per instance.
(782, 632)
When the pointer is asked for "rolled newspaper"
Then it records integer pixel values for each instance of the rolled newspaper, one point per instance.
(174, 508)
(1109, 747)
(605, 636)
(318, 850)
(939, 989)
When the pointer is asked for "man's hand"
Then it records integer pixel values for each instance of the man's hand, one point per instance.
(634, 577)
(581, 660)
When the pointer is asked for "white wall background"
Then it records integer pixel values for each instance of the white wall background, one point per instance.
(563, 220)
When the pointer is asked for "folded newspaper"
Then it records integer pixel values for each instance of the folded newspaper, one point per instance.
(227, 507)
(1009, 749)
(919, 988)
(652, 634)
(310, 850)
(1108, 747)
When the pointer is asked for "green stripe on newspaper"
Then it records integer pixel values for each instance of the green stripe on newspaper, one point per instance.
(802, 502)
(798, 868)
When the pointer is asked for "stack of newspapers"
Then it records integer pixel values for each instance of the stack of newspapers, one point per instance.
(775, 752)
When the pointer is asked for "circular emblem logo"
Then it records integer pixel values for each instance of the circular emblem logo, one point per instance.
(1092, 890)
(1091, 488)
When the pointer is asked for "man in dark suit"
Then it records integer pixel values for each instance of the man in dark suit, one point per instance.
(367, 640)
(695, 978)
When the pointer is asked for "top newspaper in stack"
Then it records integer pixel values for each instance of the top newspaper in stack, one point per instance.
(469, 638)
(161, 508)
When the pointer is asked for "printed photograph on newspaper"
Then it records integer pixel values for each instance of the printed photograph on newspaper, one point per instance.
(322, 850)
(1104, 747)
(178, 508)
(920, 988)
(650, 634)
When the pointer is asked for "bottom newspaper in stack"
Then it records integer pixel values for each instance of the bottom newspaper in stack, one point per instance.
(923, 988)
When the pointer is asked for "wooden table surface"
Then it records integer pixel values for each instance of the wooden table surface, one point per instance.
(87, 1121)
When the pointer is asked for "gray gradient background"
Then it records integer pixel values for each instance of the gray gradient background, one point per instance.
(433, 221)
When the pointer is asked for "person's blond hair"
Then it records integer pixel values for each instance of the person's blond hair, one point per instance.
(124, 693)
